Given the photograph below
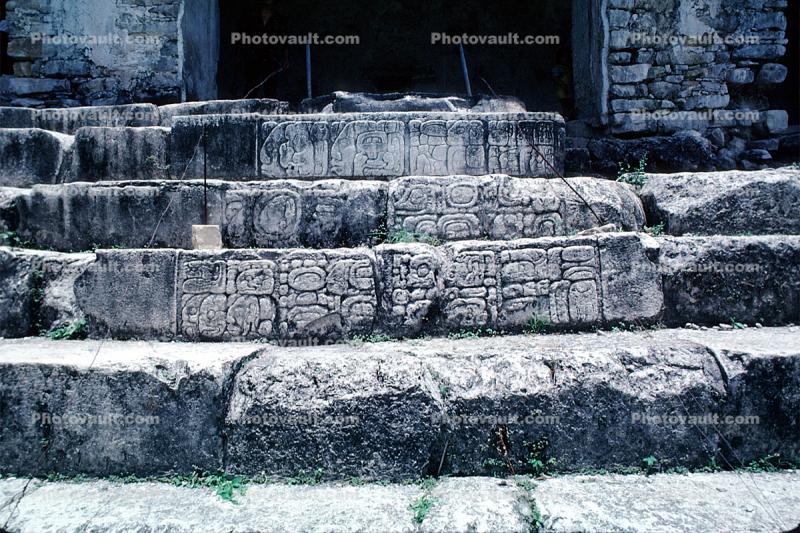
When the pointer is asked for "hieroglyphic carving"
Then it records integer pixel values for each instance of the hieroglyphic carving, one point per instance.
(296, 149)
(411, 286)
(369, 148)
(440, 147)
(495, 287)
(468, 208)
(285, 295)
(511, 147)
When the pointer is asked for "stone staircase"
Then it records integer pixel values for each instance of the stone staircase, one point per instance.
(343, 229)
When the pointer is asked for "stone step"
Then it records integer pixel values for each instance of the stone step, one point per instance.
(405, 290)
(401, 410)
(367, 145)
(399, 289)
(724, 203)
(71, 119)
(723, 501)
(321, 214)
(245, 147)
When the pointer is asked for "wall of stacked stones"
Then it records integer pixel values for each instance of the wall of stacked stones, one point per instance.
(92, 52)
(678, 64)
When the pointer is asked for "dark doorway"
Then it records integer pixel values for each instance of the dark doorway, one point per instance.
(395, 51)
(787, 95)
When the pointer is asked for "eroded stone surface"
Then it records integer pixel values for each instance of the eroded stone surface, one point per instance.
(121, 154)
(344, 102)
(713, 280)
(29, 156)
(367, 145)
(725, 203)
(693, 502)
(501, 207)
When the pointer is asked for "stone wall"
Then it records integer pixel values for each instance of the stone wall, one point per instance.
(93, 52)
(677, 64)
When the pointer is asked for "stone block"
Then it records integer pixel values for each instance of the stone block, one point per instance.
(121, 154)
(29, 156)
(776, 121)
(629, 73)
(500, 207)
(772, 74)
(70, 119)
(713, 280)
(17, 117)
(725, 203)
(345, 102)
(261, 106)
(130, 294)
(81, 216)
(367, 146)
(206, 237)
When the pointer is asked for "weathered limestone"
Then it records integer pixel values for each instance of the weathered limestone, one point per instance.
(367, 145)
(29, 156)
(263, 106)
(713, 280)
(319, 214)
(670, 502)
(37, 290)
(725, 203)
(121, 154)
(397, 289)
(345, 102)
(400, 410)
(500, 207)
(280, 214)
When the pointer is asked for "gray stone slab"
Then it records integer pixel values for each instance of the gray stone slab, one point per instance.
(366, 145)
(71, 119)
(129, 293)
(712, 280)
(29, 156)
(82, 216)
(727, 501)
(396, 410)
(263, 106)
(17, 117)
(501, 207)
(112, 407)
(345, 102)
(725, 203)
(37, 290)
(121, 154)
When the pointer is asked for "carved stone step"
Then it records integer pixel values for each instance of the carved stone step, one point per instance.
(367, 145)
(321, 214)
(29, 156)
(403, 289)
(401, 409)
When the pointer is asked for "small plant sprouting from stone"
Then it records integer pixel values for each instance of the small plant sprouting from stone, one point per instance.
(303, 478)
(537, 461)
(535, 519)
(74, 331)
(655, 231)
(538, 324)
(650, 465)
(404, 236)
(422, 505)
(635, 176)
(371, 338)
(225, 485)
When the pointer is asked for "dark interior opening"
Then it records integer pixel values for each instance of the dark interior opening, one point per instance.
(786, 94)
(395, 53)
(5, 61)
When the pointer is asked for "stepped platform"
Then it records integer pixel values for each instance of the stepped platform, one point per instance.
(400, 410)
(243, 147)
(727, 501)
(320, 214)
